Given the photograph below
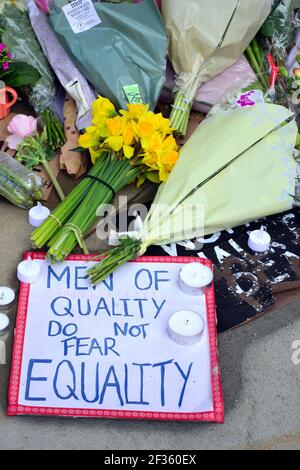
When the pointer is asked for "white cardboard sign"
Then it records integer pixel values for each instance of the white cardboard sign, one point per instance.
(106, 351)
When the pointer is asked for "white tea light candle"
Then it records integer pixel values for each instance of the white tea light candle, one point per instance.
(4, 323)
(186, 327)
(194, 277)
(28, 271)
(38, 214)
(259, 241)
(7, 297)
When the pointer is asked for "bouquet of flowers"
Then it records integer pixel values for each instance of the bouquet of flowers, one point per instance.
(121, 51)
(16, 74)
(67, 73)
(269, 51)
(133, 144)
(32, 145)
(205, 39)
(192, 204)
(18, 36)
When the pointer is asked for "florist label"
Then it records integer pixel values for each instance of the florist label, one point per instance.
(81, 15)
(106, 350)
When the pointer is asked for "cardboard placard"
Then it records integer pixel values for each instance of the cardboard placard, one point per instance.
(105, 352)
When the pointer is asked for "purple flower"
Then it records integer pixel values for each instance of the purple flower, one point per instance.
(9, 55)
(43, 5)
(5, 66)
(2, 47)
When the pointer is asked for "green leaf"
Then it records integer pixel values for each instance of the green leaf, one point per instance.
(78, 150)
(21, 74)
(275, 24)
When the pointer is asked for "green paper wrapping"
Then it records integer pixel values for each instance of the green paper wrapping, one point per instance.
(239, 165)
(128, 47)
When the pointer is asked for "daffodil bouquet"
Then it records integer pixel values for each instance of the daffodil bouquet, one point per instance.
(137, 135)
(133, 144)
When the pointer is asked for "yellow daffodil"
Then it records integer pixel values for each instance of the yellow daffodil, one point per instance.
(163, 125)
(135, 111)
(115, 126)
(169, 159)
(115, 129)
(115, 143)
(136, 133)
(154, 143)
(129, 138)
(90, 138)
(128, 151)
(163, 173)
(150, 159)
(146, 126)
(128, 134)
(169, 144)
(102, 109)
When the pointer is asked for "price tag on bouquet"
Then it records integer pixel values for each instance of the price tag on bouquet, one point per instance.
(81, 15)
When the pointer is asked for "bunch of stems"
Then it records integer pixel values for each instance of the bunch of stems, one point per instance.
(116, 173)
(180, 114)
(64, 211)
(128, 251)
(255, 56)
(55, 134)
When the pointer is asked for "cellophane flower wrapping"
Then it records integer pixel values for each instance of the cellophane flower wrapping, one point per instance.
(18, 35)
(127, 47)
(21, 4)
(69, 76)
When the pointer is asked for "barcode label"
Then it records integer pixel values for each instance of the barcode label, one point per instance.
(81, 15)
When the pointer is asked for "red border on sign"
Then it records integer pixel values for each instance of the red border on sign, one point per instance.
(15, 409)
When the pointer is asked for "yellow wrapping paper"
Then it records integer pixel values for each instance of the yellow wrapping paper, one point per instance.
(238, 166)
(208, 36)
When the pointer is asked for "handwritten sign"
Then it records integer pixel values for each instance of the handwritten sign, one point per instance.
(105, 351)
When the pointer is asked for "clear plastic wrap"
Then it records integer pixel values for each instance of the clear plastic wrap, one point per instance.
(69, 76)
(19, 185)
(18, 35)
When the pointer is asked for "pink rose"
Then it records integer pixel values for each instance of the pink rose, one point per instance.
(20, 126)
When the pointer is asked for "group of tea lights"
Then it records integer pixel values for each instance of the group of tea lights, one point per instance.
(187, 327)
(7, 298)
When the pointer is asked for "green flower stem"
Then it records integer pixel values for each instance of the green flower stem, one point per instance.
(116, 173)
(128, 251)
(65, 210)
(53, 179)
(180, 115)
(256, 67)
